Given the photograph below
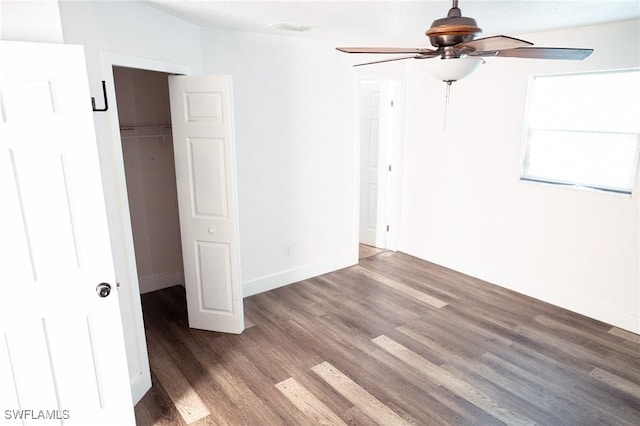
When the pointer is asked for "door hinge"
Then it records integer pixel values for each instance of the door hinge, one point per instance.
(389, 167)
(387, 228)
(391, 103)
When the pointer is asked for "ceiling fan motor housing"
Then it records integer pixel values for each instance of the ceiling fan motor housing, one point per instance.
(453, 29)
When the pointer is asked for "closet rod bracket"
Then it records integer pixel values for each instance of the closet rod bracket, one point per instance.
(104, 95)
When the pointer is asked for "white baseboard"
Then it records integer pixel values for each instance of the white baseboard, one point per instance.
(279, 279)
(158, 282)
(588, 307)
(597, 310)
(139, 387)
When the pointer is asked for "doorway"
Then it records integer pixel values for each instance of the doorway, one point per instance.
(120, 229)
(148, 186)
(215, 301)
(144, 113)
(381, 121)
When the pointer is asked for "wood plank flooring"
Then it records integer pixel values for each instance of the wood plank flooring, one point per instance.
(365, 251)
(391, 341)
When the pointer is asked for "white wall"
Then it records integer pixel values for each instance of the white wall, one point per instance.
(126, 33)
(465, 208)
(296, 154)
(128, 28)
(35, 21)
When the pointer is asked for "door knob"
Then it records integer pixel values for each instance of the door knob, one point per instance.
(103, 289)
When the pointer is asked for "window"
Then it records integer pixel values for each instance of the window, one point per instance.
(583, 130)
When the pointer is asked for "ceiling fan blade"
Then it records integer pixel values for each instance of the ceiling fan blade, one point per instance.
(400, 58)
(490, 44)
(384, 50)
(546, 53)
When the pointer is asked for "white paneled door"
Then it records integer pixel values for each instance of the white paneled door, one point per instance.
(62, 349)
(201, 116)
(373, 162)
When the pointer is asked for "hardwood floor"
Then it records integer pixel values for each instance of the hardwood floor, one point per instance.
(393, 340)
(368, 251)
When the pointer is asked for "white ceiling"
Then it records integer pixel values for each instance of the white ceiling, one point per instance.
(390, 22)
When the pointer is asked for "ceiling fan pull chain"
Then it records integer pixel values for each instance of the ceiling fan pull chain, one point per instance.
(446, 104)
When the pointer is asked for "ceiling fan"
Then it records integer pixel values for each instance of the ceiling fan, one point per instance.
(454, 37)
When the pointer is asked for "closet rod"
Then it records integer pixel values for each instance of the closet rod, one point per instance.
(151, 126)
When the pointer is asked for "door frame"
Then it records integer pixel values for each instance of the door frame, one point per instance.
(119, 217)
(395, 151)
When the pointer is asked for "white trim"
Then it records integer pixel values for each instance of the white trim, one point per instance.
(355, 237)
(159, 281)
(115, 189)
(567, 299)
(280, 279)
(395, 154)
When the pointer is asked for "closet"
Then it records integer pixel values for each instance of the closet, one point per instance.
(145, 130)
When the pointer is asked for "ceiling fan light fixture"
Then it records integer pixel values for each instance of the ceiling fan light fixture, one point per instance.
(453, 69)
(455, 42)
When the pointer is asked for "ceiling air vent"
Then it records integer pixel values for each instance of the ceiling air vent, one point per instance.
(285, 26)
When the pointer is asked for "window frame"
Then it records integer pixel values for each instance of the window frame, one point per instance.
(526, 129)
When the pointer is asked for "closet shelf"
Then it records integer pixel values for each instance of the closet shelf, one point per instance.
(145, 131)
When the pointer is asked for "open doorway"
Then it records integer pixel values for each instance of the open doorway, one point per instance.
(381, 115)
(146, 183)
(144, 114)
(206, 155)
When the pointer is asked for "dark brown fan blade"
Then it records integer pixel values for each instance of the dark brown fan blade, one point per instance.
(546, 53)
(490, 44)
(400, 58)
(384, 50)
